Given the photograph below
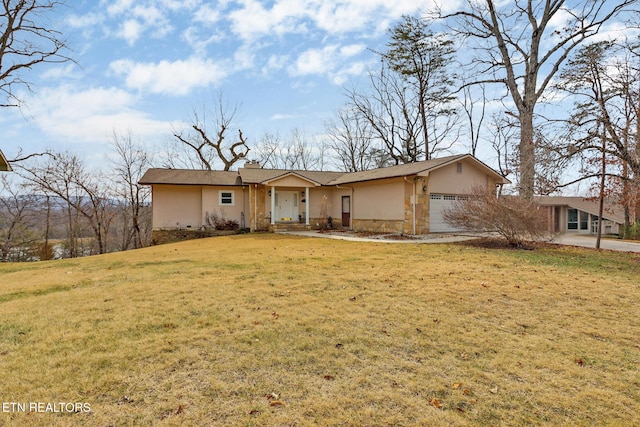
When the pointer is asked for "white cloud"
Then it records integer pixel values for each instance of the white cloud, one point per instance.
(67, 71)
(253, 20)
(275, 63)
(282, 116)
(334, 61)
(118, 6)
(207, 14)
(84, 21)
(315, 61)
(169, 78)
(130, 31)
(90, 115)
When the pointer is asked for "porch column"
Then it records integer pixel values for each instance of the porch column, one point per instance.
(273, 205)
(306, 207)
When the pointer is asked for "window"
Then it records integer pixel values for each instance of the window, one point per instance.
(459, 167)
(584, 220)
(572, 220)
(226, 198)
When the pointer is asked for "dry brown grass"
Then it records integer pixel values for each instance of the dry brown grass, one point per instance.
(269, 330)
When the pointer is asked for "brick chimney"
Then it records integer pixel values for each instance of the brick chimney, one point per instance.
(252, 164)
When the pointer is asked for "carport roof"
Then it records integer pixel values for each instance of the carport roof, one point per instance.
(612, 211)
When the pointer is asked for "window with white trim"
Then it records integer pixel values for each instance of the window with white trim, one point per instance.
(225, 198)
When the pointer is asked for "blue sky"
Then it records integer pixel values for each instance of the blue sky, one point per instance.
(144, 65)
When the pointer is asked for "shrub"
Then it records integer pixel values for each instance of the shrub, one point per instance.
(220, 223)
(515, 219)
(631, 231)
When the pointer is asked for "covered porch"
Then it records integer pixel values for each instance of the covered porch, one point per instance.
(287, 202)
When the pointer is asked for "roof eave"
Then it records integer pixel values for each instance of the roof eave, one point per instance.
(4, 163)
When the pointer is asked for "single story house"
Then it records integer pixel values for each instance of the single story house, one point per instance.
(4, 164)
(580, 215)
(408, 198)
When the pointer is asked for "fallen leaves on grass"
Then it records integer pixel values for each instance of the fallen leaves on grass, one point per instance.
(436, 403)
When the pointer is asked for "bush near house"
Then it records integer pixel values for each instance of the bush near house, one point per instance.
(219, 222)
(515, 219)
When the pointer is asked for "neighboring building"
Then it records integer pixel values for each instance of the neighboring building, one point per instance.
(407, 198)
(580, 215)
(4, 164)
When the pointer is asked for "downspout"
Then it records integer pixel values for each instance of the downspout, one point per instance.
(413, 205)
(255, 207)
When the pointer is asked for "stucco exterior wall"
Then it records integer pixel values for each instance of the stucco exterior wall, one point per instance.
(211, 203)
(447, 180)
(185, 206)
(379, 200)
(177, 206)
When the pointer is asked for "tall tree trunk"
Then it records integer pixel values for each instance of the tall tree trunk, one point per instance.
(527, 156)
(602, 183)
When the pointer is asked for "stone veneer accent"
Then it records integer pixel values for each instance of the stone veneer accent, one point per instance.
(378, 225)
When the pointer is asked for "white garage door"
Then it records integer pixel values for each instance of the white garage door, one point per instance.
(437, 205)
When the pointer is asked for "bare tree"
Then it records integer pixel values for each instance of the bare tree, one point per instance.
(521, 45)
(422, 59)
(408, 104)
(17, 219)
(26, 41)
(474, 118)
(353, 143)
(299, 151)
(129, 165)
(501, 134)
(389, 110)
(602, 131)
(208, 144)
(66, 177)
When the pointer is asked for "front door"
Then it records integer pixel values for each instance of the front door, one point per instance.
(286, 206)
(346, 211)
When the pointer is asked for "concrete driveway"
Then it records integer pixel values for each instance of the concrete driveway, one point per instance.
(567, 239)
(605, 243)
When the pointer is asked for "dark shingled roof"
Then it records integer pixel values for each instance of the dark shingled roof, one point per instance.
(257, 175)
(407, 169)
(190, 177)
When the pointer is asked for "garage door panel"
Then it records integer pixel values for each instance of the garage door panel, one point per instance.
(438, 203)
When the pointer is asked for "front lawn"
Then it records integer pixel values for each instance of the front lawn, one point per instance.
(273, 330)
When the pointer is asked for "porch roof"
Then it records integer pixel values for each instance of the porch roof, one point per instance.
(264, 176)
(612, 211)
